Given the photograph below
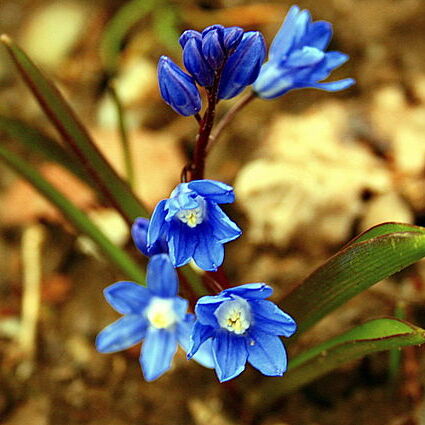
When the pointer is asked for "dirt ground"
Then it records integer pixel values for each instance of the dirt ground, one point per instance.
(310, 170)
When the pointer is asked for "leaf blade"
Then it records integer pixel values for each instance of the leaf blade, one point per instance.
(350, 271)
(61, 115)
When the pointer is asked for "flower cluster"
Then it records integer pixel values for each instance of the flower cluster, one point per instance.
(228, 58)
(236, 325)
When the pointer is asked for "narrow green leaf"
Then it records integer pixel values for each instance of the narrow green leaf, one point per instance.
(385, 229)
(118, 27)
(41, 143)
(78, 218)
(104, 177)
(375, 335)
(351, 271)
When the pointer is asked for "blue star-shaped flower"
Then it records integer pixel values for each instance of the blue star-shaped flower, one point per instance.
(155, 314)
(243, 326)
(297, 58)
(193, 225)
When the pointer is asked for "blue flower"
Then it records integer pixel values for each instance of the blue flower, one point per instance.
(139, 233)
(193, 225)
(298, 59)
(177, 88)
(155, 314)
(243, 326)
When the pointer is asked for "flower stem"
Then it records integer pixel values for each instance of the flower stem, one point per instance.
(224, 122)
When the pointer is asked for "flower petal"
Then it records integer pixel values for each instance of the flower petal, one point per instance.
(267, 354)
(212, 190)
(250, 291)
(334, 85)
(162, 277)
(209, 253)
(200, 334)
(127, 297)
(157, 223)
(230, 355)
(182, 243)
(204, 352)
(284, 38)
(269, 318)
(223, 229)
(206, 306)
(307, 56)
(318, 35)
(158, 351)
(122, 334)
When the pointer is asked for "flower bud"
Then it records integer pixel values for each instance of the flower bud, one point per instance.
(193, 58)
(232, 38)
(213, 46)
(243, 66)
(177, 88)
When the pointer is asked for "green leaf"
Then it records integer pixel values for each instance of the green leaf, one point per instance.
(104, 177)
(375, 335)
(118, 27)
(165, 25)
(354, 269)
(78, 218)
(41, 143)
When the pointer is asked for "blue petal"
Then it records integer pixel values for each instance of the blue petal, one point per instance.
(335, 59)
(206, 306)
(267, 353)
(307, 56)
(158, 351)
(157, 224)
(232, 36)
(303, 22)
(230, 355)
(284, 38)
(162, 277)
(223, 229)
(203, 353)
(269, 318)
(200, 334)
(182, 243)
(212, 45)
(195, 63)
(250, 291)
(213, 191)
(127, 297)
(139, 233)
(273, 81)
(122, 334)
(209, 253)
(334, 85)
(180, 307)
(318, 35)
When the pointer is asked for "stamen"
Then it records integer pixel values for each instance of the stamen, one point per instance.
(234, 315)
(160, 313)
(194, 216)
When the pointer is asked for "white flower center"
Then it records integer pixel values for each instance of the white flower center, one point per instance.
(234, 315)
(160, 313)
(194, 216)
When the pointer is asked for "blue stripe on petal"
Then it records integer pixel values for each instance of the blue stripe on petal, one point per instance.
(158, 351)
(122, 334)
(127, 297)
(213, 190)
(200, 334)
(267, 353)
(223, 229)
(250, 291)
(162, 277)
(230, 355)
(268, 317)
(209, 253)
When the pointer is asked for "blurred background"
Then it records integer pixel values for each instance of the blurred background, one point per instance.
(311, 170)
